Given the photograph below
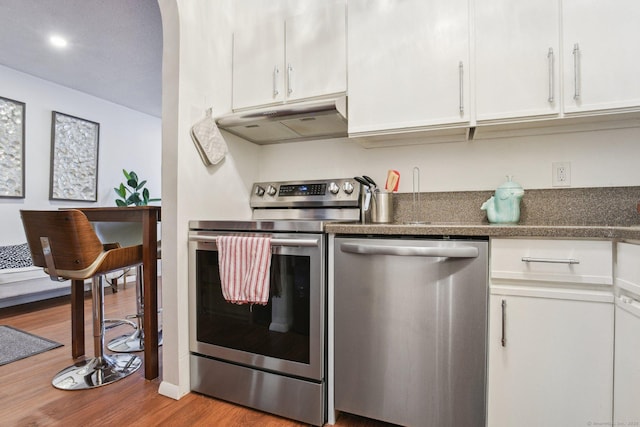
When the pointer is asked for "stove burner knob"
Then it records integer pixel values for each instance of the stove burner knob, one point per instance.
(333, 188)
(347, 187)
(259, 191)
(271, 190)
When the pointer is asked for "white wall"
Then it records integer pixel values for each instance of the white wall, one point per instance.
(196, 76)
(128, 140)
(606, 158)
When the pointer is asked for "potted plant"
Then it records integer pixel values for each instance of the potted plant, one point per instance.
(134, 193)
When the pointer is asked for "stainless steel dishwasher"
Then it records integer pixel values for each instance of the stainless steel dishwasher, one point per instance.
(410, 330)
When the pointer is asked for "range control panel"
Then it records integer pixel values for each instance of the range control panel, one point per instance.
(300, 194)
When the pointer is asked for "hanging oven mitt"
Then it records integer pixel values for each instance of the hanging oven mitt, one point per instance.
(208, 140)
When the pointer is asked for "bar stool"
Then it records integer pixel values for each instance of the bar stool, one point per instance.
(66, 246)
(130, 234)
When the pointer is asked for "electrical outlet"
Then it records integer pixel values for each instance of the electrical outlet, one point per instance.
(561, 174)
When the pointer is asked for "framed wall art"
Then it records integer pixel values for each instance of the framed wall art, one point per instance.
(12, 118)
(74, 158)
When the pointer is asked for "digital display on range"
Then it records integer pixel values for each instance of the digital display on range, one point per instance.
(303, 190)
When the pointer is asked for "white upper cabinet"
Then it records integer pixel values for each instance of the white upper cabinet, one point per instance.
(517, 58)
(297, 53)
(258, 65)
(408, 64)
(601, 65)
(316, 52)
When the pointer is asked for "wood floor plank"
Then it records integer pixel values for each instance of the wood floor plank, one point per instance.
(27, 397)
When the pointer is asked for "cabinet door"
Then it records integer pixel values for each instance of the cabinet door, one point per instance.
(408, 64)
(626, 406)
(517, 58)
(316, 52)
(627, 364)
(556, 365)
(258, 64)
(601, 64)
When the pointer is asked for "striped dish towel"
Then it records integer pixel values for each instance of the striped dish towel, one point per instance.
(244, 263)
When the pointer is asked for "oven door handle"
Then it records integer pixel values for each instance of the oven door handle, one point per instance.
(274, 242)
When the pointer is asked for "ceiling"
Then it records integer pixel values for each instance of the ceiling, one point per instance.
(114, 50)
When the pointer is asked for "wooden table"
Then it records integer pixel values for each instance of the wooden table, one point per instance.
(149, 216)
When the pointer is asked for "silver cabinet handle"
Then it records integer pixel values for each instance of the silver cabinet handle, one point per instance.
(550, 59)
(461, 72)
(576, 71)
(503, 339)
(274, 242)
(371, 249)
(289, 85)
(276, 72)
(551, 260)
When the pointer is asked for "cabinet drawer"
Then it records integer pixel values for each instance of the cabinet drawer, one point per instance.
(628, 267)
(572, 261)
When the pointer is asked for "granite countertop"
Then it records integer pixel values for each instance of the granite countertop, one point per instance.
(489, 230)
(572, 213)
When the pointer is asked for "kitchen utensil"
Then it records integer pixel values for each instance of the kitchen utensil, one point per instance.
(367, 200)
(393, 179)
(362, 181)
(367, 197)
(371, 181)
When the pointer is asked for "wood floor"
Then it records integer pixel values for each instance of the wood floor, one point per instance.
(27, 397)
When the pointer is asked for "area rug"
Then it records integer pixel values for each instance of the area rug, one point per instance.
(16, 344)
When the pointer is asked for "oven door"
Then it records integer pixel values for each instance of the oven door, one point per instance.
(286, 335)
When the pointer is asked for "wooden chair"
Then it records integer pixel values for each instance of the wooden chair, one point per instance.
(66, 246)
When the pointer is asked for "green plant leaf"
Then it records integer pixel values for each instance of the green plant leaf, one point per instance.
(121, 191)
(133, 189)
(134, 199)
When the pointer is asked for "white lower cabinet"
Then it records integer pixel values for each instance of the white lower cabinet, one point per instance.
(555, 366)
(626, 393)
(550, 341)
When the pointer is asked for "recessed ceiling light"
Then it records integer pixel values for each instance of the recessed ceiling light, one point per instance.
(57, 41)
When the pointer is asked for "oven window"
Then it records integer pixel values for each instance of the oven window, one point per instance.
(279, 329)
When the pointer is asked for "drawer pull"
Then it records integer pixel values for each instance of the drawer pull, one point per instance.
(503, 339)
(550, 61)
(551, 260)
(461, 76)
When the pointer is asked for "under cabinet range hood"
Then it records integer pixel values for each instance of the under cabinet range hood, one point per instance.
(300, 121)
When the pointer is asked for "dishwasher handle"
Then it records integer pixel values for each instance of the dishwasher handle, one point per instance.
(372, 249)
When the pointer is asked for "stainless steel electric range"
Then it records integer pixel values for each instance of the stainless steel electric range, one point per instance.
(270, 357)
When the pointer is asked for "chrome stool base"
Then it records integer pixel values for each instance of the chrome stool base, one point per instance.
(134, 342)
(96, 372)
(130, 343)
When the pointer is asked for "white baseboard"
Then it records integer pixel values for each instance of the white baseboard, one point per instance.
(171, 390)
